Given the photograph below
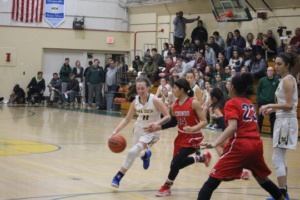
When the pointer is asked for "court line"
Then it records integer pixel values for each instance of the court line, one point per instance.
(186, 190)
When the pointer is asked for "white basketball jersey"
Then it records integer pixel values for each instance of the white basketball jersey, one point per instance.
(146, 113)
(280, 96)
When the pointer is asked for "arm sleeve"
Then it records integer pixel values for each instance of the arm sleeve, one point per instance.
(169, 124)
(189, 20)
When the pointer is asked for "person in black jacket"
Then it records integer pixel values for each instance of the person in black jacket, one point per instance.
(199, 32)
(36, 87)
(78, 71)
(72, 90)
(18, 95)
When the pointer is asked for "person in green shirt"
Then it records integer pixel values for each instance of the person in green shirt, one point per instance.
(266, 94)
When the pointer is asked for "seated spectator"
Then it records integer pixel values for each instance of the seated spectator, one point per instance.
(247, 59)
(290, 48)
(198, 47)
(173, 54)
(210, 56)
(190, 77)
(179, 71)
(163, 84)
(150, 70)
(269, 45)
(187, 48)
(238, 43)
(146, 55)
(199, 80)
(200, 62)
(36, 87)
(207, 78)
(166, 51)
(167, 97)
(157, 58)
(244, 69)
(137, 64)
(228, 40)
(227, 73)
(219, 83)
(258, 66)
(257, 44)
(169, 65)
(78, 71)
(222, 60)
(218, 70)
(249, 41)
(233, 73)
(17, 96)
(219, 40)
(54, 87)
(72, 90)
(296, 39)
(213, 45)
(236, 61)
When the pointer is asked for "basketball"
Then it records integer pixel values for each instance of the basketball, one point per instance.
(117, 143)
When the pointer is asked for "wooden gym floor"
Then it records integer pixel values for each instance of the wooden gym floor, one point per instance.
(61, 153)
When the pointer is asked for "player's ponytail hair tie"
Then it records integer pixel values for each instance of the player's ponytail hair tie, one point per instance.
(184, 84)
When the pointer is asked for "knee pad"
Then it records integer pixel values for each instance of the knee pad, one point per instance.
(278, 160)
(132, 154)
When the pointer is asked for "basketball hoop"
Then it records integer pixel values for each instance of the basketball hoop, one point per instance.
(223, 17)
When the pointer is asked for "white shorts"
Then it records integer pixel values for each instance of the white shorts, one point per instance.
(139, 135)
(285, 133)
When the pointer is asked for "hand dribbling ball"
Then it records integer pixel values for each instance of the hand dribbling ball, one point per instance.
(117, 143)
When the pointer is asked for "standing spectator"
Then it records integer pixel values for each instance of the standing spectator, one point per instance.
(238, 43)
(150, 69)
(169, 65)
(265, 93)
(111, 77)
(199, 32)
(17, 96)
(137, 64)
(214, 45)
(65, 70)
(210, 56)
(54, 87)
(165, 52)
(36, 86)
(157, 58)
(85, 81)
(258, 66)
(219, 40)
(78, 71)
(179, 30)
(108, 64)
(72, 91)
(95, 79)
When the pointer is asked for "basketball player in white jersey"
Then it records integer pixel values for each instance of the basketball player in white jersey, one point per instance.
(148, 108)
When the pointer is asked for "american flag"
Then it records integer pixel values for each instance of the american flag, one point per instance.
(27, 10)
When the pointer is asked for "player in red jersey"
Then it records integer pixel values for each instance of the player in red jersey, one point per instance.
(188, 116)
(244, 148)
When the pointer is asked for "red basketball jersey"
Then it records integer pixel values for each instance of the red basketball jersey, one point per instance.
(185, 115)
(243, 110)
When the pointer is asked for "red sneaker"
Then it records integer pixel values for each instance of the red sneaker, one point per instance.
(163, 192)
(207, 158)
(245, 175)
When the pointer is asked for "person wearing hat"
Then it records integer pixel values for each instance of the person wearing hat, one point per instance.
(179, 30)
(72, 90)
(137, 64)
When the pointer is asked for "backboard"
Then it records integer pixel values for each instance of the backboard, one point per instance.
(223, 10)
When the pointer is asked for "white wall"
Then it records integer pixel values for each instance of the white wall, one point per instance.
(99, 14)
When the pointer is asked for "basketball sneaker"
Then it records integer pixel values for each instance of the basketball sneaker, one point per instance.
(245, 175)
(115, 182)
(286, 198)
(163, 192)
(146, 159)
(207, 158)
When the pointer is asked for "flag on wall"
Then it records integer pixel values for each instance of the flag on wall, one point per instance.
(27, 10)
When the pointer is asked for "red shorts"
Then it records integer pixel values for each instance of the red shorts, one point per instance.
(239, 154)
(183, 140)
